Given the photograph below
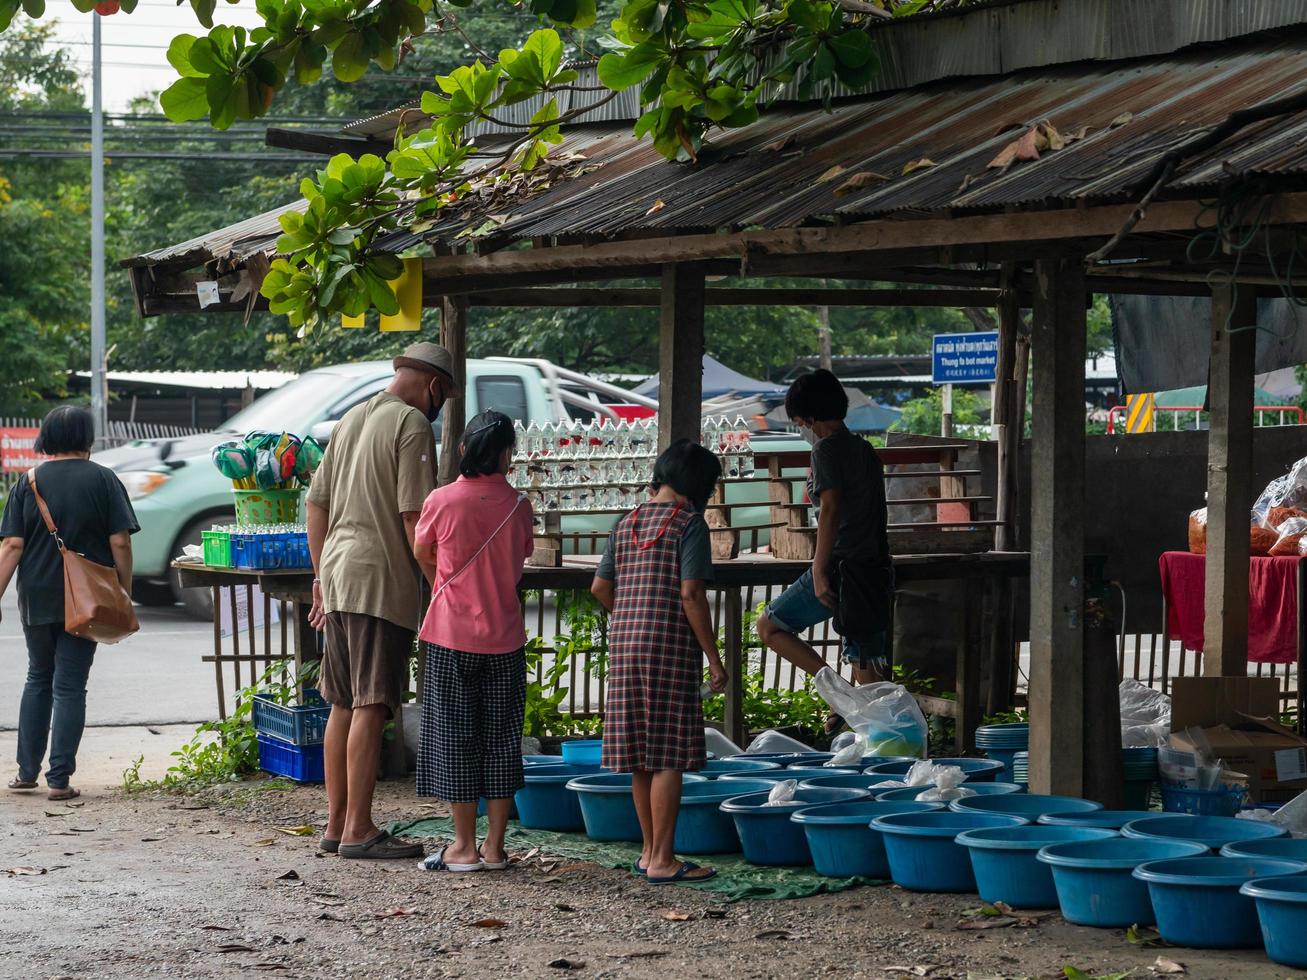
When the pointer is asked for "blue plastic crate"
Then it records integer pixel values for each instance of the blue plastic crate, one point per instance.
(262, 550)
(303, 724)
(302, 763)
(1202, 802)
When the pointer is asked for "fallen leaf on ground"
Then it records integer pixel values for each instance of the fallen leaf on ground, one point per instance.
(235, 948)
(921, 164)
(574, 866)
(671, 915)
(657, 205)
(1137, 936)
(266, 842)
(714, 913)
(267, 967)
(291, 875)
(24, 870)
(304, 830)
(530, 854)
(60, 813)
(1002, 922)
(329, 917)
(489, 923)
(399, 910)
(921, 970)
(562, 964)
(152, 730)
(1163, 965)
(334, 902)
(776, 934)
(213, 928)
(641, 954)
(151, 840)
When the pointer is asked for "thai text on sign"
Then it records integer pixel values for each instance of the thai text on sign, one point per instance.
(16, 452)
(964, 358)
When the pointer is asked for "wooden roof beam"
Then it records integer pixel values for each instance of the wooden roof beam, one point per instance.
(731, 296)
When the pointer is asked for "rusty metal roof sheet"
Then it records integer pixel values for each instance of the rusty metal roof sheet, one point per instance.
(794, 165)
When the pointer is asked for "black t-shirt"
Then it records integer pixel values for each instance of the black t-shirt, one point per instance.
(848, 463)
(88, 504)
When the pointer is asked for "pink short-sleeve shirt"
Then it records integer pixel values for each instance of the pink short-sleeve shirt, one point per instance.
(478, 611)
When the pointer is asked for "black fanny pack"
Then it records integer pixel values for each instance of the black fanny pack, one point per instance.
(865, 596)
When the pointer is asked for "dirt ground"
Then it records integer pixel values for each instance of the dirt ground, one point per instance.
(177, 887)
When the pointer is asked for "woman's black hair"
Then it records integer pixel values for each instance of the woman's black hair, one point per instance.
(66, 429)
(818, 396)
(689, 469)
(484, 440)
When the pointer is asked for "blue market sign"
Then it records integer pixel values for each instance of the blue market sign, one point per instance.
(964, 358)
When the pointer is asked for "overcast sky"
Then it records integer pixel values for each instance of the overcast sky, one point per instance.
(135, 45)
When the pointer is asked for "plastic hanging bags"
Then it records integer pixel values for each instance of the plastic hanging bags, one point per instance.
(885, 714)
(782, 794)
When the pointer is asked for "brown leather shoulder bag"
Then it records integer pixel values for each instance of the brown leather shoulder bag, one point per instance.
(95, 605)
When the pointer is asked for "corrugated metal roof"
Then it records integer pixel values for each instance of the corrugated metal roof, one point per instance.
(788, 168)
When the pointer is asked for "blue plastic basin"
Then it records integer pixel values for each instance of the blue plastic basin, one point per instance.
(850, 780)
(1287, 848)
(1282, 913)
(701, 826)
(1215, 832)
(1111, 819)
(1094, 880)
(842, 841)
(975, 770)
(1029, 805)
(1003, 860)
(583, 751)
(545, 802)
(788, 758)
(794, 772)
(736, 765)
(767, 836)
(981, 789)
(607, 806)
(922, 851)
(542, 760)
(1197, 899)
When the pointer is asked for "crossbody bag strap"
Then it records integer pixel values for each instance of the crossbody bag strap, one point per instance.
(45, 511)
(486, 544)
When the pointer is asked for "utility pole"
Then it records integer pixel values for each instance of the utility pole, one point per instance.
(99, 389)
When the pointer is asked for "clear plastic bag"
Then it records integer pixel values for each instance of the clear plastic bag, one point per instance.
(1291, 536)
(948, 786)
(1145, 715)
(1289, 490)
(925, 773)
(850, 753)
(718, 744)
(782, 794)
(773, 741)
(885, 714)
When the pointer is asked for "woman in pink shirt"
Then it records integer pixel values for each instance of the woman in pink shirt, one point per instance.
(477, 533)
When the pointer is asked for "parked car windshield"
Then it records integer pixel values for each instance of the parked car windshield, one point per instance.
(293, 407)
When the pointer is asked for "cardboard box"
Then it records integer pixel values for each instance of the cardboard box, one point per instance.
(1238, 717)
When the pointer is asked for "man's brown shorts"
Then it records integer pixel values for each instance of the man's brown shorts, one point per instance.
(366, 661)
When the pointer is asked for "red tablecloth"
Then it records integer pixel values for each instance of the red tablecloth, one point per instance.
(1272, 606)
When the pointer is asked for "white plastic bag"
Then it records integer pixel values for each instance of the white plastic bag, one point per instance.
(718, 744)
(851, 753)
(1145, 715)
(1293, 816)
(884, 714)
(841, 740)
(782, 793)
(530, 745)
(773, 741)
(924, 773)
(948, 785)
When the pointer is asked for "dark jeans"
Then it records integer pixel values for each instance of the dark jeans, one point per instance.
(54, 702)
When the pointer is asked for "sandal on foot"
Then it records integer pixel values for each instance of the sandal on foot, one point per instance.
(382, 847)
(494, 865)
(683, 873)
(19, 784)
(64, 794)
(637, 870)
(328, 846)
(436, 862)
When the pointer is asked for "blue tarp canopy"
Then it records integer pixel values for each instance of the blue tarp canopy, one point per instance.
(719, 380)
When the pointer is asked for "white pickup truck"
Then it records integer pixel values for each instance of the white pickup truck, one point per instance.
(178, 493)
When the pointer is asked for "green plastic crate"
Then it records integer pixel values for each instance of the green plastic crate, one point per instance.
(217, 548)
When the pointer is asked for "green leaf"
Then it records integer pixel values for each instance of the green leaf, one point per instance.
(84, 6)
(548, 50)
(349, 61)
(205, 57)
(179, 56)
(621, 71)
(204, 11)
(185, 100)
(380, 294)
(219, 91)
(385, 265)
(853, 48)
(33, 8)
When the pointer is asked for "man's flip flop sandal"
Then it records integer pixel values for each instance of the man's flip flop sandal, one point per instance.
(63, 795)
(18, 784)
(380, 848)
(436, 862)
(682, 874)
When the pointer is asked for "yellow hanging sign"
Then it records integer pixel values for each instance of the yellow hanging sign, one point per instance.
(351, 322)
(408, 289)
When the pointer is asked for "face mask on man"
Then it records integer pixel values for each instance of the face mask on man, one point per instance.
(437, 395)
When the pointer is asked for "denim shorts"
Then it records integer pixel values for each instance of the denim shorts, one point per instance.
(798, 608)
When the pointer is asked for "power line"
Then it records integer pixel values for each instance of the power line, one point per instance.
(6, 152)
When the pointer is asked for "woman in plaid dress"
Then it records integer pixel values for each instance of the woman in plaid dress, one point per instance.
(651, 580)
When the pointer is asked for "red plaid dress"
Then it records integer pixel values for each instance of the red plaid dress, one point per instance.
(653, 718)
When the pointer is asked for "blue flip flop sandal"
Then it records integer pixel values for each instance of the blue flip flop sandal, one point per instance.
(681, 872)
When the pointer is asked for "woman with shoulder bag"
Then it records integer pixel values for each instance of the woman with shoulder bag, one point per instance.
(477, 532)
(94, 521)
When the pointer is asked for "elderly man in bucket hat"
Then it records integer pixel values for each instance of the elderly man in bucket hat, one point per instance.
(363, 506)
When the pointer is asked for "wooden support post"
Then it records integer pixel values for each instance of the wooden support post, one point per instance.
(1057, 529)
(734, 661)
(680, 354)
(1007, 427)
(1229, 481)
(453, 336)
(969, 655)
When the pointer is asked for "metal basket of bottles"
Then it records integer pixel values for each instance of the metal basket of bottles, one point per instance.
(571, 466)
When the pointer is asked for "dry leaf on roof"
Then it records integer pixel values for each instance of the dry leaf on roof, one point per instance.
(1121, 120)
(858, 181)
(657, 206)
(831, 174)
(921, 164)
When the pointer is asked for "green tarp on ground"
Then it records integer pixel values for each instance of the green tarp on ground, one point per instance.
(736, 878)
